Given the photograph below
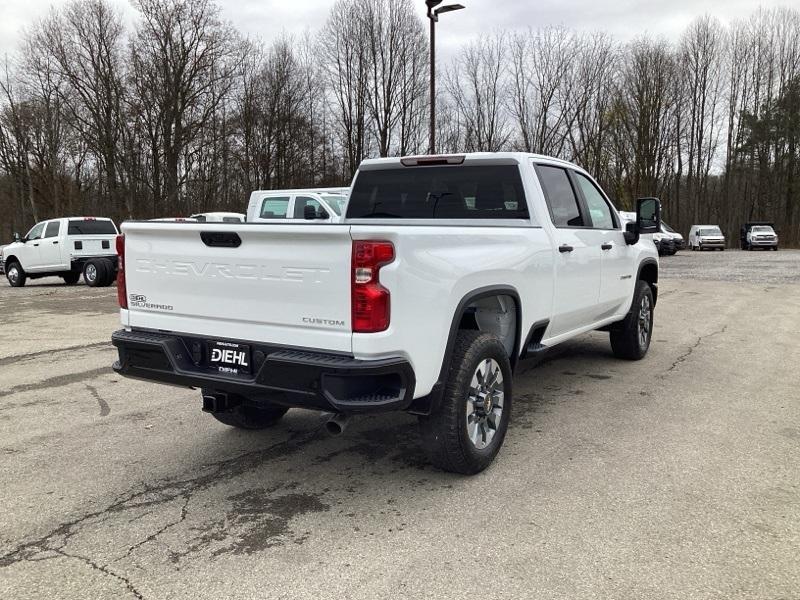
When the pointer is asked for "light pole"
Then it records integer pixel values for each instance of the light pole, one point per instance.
(433, 15)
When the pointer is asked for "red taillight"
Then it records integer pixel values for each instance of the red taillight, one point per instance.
(370, 300)
(122, 292)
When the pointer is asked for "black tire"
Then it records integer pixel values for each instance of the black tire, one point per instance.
(71, 278)
(626, 341)
(94, 272)
(15, 274)
(110, 272)
(445, 433)
(246, 416)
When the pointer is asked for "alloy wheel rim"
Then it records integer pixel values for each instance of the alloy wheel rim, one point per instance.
(91, 272)
(645, 320)
(13, 274)
(485, 403)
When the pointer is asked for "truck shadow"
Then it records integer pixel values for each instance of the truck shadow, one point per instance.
(272, 495)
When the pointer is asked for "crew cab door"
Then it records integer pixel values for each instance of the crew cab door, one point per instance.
(30, 253)
(50, 248)
(577, 256)
(299, 206)
(616, 279)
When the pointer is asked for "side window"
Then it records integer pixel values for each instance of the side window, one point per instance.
(560, 197)
(52, 229)
(36, 232)
(300, 203)
(274, 208)
(598, 207)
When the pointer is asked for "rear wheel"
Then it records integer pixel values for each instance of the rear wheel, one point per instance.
(71, 278)
(94, 272)
(632, 339)
(15, 274)
(466, 432)
(110, 272)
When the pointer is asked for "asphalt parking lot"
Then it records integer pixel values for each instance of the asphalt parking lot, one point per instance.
(673, 477)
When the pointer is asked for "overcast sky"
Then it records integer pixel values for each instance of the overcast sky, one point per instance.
(267, 18)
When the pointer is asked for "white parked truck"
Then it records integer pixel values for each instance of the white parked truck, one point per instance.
(65, 248)
(322, 205)
(444, 274)
(219, 217)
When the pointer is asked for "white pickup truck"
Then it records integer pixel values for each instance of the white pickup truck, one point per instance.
(321, 205)
(63, 248)
(445, 273)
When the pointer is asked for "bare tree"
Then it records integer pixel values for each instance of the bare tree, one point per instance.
(188, 57)
(476, 86)
(85, 40)
(643, 126)
(343, 45)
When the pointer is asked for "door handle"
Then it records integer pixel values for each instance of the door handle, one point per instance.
(36, 244)
(565, 248)
(606, 246)
(55, 242)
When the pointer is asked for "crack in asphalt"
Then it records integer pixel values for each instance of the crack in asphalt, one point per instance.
(166, 490)
(103, 569)
(184, 512)
(9, 360)
(683, 357)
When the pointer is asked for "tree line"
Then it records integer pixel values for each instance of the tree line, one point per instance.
(180, 113)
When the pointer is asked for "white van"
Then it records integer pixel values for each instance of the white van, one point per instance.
(702, 237)
(327, 205)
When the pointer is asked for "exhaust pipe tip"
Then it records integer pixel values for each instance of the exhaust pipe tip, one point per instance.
(337, 424)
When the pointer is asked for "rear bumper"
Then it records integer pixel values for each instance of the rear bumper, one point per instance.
(291, 377)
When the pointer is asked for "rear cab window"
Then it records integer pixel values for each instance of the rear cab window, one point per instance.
(561, 199)
(91, 227)
(439, 192)
(52, 228)
(274, 208)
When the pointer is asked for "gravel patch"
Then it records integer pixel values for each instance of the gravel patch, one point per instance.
(759, 266)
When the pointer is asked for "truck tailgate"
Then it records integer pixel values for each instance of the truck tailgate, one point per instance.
(283, 284)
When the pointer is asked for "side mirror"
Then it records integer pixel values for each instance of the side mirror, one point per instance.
(631, 233)
(648, 219)
(648, 215)
(16, 237)
(309, 212)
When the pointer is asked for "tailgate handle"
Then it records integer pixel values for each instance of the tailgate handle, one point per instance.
(221, 239)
